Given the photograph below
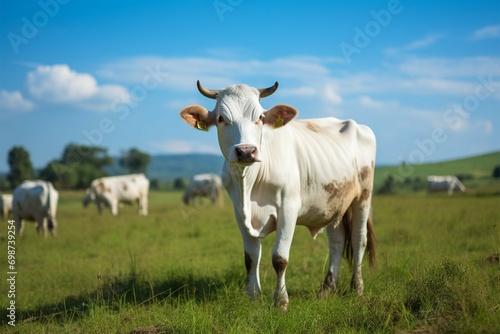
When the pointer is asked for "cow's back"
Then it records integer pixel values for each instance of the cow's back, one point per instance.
(30, 199)
(126, 188)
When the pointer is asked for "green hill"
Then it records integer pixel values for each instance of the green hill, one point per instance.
(474, 171)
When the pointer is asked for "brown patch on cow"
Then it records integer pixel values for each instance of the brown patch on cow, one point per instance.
(100, 187)
(364, 173)
(313, 127)
(365, 176)
(279, 265)
(125, 187)
(365, 195)
(338, 189)
(340, 196)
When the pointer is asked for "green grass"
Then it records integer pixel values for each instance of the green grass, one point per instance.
(181, 270)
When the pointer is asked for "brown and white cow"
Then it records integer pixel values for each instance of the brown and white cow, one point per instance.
(112, 190)
(36, 201)
(283, 172)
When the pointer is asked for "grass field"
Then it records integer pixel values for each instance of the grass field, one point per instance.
(181, 270)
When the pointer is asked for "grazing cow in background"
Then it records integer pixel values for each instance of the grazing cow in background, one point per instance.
(112, 190)
(204, 185)
(444, 183)
(5, 205)
(281, 173)
(36, 201)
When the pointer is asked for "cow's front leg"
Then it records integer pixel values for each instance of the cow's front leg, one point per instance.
(114, 207)
(281, 254)
(253, 250)
(143, 206)
(336, 240)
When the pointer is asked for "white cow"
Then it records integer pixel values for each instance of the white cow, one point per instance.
(5, 205)
(204, 185)
(282, 173)
(36, 201)
(444, 183)
(113, 190)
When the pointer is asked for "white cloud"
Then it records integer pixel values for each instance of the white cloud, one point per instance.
(448, 67)
(416, 44)
(174, 146)
(14, 101)
(331, 94)
(424, 42)
(484, 126)
(58, 84)
(492, 31)
(368, 102)
(181, 74)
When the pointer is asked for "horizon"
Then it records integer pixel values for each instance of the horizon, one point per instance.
(99, 72)
(38, 168)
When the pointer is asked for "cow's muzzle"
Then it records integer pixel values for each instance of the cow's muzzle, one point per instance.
(246, 154)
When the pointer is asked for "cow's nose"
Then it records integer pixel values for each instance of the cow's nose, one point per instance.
(246, 153)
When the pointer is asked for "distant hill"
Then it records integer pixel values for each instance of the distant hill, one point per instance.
(476, 167)
(170, 167)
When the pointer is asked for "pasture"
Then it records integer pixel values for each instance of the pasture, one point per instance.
(181, 270)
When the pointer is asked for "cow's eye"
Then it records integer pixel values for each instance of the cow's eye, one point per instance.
(220, 119)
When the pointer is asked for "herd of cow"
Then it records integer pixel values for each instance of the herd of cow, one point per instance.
(37, 200)
(279, 173)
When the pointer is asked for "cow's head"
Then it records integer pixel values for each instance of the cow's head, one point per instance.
(239, 119)
(89, 196)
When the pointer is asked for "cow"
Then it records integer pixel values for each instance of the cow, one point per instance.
(5, 205)
(204, 185)
(36, 201)
(112, 190)
(280, 172)
(444, 183)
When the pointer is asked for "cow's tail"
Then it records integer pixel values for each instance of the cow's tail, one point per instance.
(371, 240)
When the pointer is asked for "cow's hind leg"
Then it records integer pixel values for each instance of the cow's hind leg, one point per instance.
(361, 214)
(336, 240)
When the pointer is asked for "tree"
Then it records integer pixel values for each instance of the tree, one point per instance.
(496, 172)
(78, 166)
(388, 185)
(20, 165)
(179, 183)
(135, 161)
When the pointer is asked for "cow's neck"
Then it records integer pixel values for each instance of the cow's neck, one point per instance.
(243, 179)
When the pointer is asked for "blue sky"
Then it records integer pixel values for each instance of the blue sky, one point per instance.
(424, 75)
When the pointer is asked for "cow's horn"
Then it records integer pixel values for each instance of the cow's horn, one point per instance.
(265, 92)
(210, 93)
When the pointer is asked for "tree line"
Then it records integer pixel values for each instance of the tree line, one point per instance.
(76, 168)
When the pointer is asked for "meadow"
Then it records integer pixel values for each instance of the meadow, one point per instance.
(181, 270)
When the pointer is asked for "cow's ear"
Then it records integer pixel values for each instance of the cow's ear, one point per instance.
(197, 117)
(279, 115)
